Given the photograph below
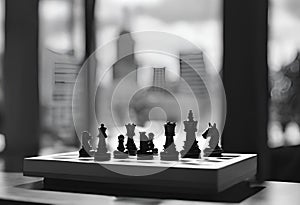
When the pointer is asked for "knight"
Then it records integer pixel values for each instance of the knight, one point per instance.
(144, 152)
(86, 148)
(214, 149)
(151, 144)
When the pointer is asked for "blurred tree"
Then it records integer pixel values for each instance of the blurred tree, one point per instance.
(285, 93)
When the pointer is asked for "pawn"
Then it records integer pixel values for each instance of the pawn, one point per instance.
(120, 152)
(121, 146)
(86, 148)
(102, 154)
(151, 144)
(213, 149)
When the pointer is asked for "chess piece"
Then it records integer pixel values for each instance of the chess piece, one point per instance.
(151, 144)
(120, 152)
(102, 154)
(213, 149)
(121, 147)
(86, 148)
(190, 147)
(144, 153)
(130, 145)
(169, 153)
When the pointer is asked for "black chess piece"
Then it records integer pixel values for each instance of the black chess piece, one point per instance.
(102, 154)
(86, 148)
(144, 153)
(213, 149)
(130, 145)
(190, 147)
(151, 144)
(120, 152)
(169, 153)
(121, 146)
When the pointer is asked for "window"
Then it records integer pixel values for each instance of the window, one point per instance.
(62, 48)
(198, 22)
(61, 35)
(284, 62)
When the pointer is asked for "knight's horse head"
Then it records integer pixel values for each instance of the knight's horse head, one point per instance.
(205, 134)
(210, 130)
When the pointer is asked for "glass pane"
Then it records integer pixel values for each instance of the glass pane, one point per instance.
(148, 88)
(193, 33)
(61, 56)
(284, 47)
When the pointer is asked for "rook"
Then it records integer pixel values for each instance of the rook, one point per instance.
(169, 153)
(130, 146)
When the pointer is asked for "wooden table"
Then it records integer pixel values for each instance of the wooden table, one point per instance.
(14, 187)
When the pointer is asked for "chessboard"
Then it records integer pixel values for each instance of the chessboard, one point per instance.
(187, 175)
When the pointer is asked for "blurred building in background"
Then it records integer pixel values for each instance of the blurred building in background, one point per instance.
(159, 78)
(65, 74)
(125, 52)
(193, 71)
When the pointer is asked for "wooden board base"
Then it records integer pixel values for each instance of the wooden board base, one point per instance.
(192, 176)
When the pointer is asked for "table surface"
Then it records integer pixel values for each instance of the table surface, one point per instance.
(16, 187)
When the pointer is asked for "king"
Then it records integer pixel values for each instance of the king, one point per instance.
(190, 147)
(102, 154)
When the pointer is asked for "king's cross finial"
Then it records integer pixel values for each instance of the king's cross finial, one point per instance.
(190, 116)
